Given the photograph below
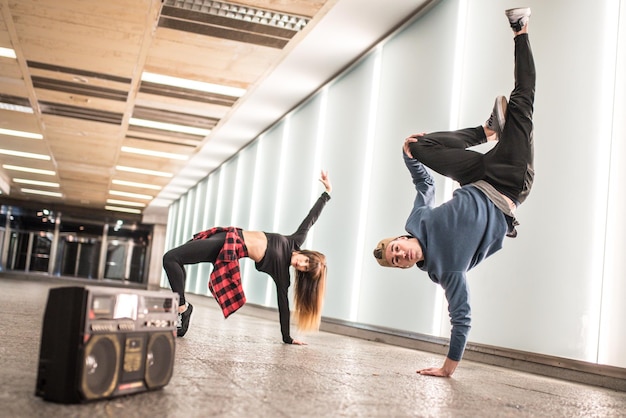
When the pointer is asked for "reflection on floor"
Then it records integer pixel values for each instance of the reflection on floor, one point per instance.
(239, 368)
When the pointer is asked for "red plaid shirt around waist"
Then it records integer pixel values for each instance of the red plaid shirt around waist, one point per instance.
(225, 280)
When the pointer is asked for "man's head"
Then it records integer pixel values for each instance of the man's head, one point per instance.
(402, 252)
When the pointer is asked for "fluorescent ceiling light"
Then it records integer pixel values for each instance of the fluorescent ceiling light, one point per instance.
(143, 171)
(42, 192)
(7, 53)
(29, 170)
(120, 209)
(192, 84)
(36, 182)
(126, 202)
(135, 184)
(24, 154)
(151, 153)
(127, 194)
(21, 134)
(16, 108)
(169, 127)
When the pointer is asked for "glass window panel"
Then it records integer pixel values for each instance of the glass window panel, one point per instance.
(421, 89)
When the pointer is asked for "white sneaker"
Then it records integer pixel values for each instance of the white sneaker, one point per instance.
(498, 116)
(518, 18)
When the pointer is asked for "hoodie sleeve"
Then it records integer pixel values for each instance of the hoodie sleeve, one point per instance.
(457, 294)
(423, 181)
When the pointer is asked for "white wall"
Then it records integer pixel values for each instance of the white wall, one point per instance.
(556, 289)
(613, 309)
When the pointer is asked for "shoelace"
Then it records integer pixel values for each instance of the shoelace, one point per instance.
(490, 124)
(517, 26)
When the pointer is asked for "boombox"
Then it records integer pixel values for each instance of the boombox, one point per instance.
(100, 342)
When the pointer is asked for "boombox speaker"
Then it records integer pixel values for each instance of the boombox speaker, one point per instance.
(100, 342)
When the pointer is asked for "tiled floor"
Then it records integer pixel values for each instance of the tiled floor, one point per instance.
(240, 368)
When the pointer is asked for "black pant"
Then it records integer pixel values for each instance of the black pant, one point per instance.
(508, 166)
(191, 252)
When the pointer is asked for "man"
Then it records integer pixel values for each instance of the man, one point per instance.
(448, 240)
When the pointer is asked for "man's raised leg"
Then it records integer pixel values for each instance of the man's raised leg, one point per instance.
(509, 165)
(445, 152)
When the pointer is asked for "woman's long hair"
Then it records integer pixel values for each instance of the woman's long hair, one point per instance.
(309, 291)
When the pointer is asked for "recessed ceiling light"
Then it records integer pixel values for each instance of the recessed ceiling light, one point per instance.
(7, 53)
(135, 184)
(143, 171)
(152, 153)
(192, 84)
(25, 154)
(42, 192)
(120, 209)
(21, 134)
(169, 127)
(127, 194)
(36, 182)
(28, 169)
(16, 108)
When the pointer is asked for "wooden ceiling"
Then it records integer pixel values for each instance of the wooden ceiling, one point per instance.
(79, 66)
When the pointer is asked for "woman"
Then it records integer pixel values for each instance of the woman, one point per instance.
(273, 254)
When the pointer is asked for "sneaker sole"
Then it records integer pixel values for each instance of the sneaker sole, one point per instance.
(510, 12)
(180, 332)
(518, 18)
(501, 116)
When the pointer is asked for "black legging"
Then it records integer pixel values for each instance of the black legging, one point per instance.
(191, 252)
(508, 166)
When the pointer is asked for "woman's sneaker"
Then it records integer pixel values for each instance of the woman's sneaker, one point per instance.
(183, 321)
(518, 18)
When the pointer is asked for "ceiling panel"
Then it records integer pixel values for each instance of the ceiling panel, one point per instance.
(79, 69)
(85, 70)
(18, 121)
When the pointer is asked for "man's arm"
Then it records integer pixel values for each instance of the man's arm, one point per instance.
(423, 181)
(457, 294)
